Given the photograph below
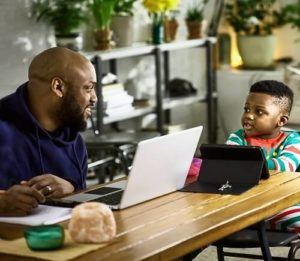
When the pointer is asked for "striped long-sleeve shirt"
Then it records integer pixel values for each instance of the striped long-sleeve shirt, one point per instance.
(282, 153)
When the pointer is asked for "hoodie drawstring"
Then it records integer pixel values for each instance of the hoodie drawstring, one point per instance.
(40, 150)
(79, 166)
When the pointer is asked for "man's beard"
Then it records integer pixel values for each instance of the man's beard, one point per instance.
(70, 114)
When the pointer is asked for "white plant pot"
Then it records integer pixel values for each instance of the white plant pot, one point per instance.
(73, 41)
(256, 51)
(122, 26)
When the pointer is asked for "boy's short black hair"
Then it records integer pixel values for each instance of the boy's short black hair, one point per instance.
(276, 89)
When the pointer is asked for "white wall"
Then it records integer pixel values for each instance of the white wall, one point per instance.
(22, 38)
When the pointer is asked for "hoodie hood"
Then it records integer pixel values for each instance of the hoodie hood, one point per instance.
(17, 111)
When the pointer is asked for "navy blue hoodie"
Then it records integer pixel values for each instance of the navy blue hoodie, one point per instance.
(28, 150)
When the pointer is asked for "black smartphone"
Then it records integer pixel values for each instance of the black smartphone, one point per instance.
(60, 203)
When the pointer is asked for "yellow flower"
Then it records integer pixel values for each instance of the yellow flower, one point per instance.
(171, 4)
(154, 6)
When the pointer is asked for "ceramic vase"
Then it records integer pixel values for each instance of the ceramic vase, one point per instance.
(72, 41)
(256, 51)
(122, 27)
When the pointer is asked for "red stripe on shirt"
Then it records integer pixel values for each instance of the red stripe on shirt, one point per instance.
(281, 215)
(291, 167)
(293, 149)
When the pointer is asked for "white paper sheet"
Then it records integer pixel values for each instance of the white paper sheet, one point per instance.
(42, 215)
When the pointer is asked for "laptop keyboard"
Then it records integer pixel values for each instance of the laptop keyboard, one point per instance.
(111, 199)
(102, 191)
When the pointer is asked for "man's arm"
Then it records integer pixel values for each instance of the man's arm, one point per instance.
(19, 200)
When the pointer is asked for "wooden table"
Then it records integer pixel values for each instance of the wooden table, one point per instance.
(178, 223)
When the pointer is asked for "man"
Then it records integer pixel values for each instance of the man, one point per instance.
(41, 151)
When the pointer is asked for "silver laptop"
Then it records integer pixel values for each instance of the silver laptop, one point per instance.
(160, 166)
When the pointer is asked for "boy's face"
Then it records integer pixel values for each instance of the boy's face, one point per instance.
(262, 117)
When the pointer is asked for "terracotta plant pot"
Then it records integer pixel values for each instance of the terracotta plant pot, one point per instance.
(194, 30)
(170, 30)
(103, 39)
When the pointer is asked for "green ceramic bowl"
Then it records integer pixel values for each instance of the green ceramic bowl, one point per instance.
(45, 237)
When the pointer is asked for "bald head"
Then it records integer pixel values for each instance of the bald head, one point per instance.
(55, 62)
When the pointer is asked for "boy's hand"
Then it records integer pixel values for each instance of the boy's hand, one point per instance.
(19, 200)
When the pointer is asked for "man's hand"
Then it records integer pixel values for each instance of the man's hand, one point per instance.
(51, 186)
(19, 200)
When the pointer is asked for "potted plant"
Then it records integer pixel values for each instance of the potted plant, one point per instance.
(102, 11)
(194, 18)
(158, 10)
(171, 26)
(65, 16)
(122, 22)
(254, 21)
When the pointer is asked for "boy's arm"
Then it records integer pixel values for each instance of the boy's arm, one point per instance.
(289, 157)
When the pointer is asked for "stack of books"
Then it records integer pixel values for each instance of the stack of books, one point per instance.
(116, 100)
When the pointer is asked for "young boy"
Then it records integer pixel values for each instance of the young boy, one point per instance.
(266, 111)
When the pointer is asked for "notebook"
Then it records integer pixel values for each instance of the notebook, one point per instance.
(160, 166)
(229, 169)
(42, 215)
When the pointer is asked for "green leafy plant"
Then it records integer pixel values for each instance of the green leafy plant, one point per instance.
(292, 14)
(172, 15)
(195, 11)
(64, 15)
(253, 17)
(124, 7)
(102, 11)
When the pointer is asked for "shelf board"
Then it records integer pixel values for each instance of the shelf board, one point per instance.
(177, 45)
(169, 103)
(145, 49)
(137, 112)
(118, 53)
